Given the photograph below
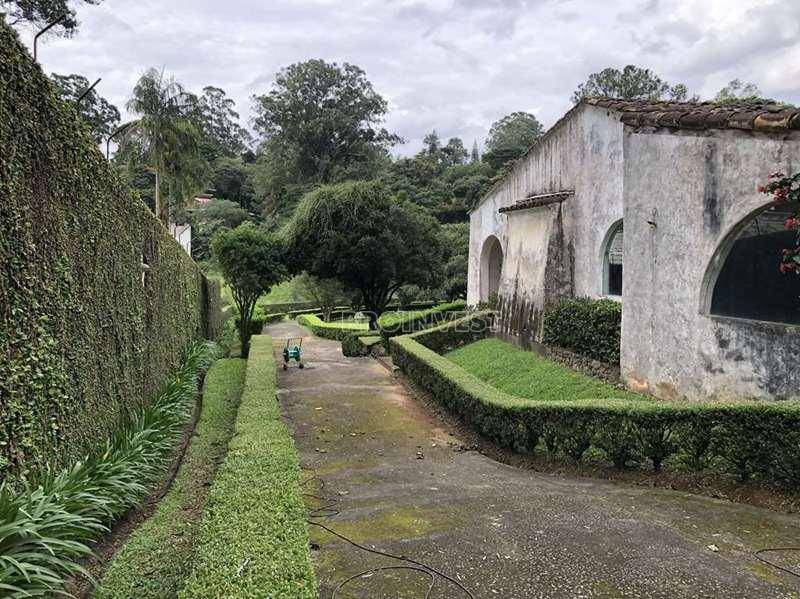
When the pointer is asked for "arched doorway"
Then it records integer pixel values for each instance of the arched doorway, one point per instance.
(491, 267)
(744, 278)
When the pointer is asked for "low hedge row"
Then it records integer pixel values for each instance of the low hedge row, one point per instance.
(392, 324)
(254, 538)
(353, 344)
(327, 330)
(757, 441)
(586, 326)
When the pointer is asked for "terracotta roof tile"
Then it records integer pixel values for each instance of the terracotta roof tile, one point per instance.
(702, 115)
(535, 201)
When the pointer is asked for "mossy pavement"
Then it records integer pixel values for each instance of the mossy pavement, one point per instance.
(403, 484)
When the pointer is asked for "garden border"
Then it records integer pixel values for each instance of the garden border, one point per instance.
(751, 440)
(254, 537)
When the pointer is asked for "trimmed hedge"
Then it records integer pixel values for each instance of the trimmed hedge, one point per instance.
(164, 545)
(254, 538)
(83, 341)
(328, 330)
(751, 440)
(353, 345)
(392, 324)
(587, 327)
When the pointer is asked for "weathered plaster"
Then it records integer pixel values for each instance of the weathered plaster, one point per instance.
(582, 152)
(696, 188)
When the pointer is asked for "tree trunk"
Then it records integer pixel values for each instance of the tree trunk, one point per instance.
(159, 216)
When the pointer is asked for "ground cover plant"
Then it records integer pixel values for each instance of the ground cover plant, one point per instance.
(755, 441)
(254, 539)
(163, 547)
(527, 374)
(46, 528)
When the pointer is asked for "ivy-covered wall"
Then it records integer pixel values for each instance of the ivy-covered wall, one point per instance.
(83, 338)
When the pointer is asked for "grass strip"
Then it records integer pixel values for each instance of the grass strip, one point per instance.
(158, 558)
(526, 374)
(254, 538)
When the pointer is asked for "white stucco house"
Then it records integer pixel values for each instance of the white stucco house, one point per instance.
(656, 205)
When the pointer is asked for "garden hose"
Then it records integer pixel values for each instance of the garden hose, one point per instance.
(759, 555)
(328, 510)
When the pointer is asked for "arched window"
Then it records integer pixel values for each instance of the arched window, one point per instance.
(491, 268)
(612, 261)
(749, 283)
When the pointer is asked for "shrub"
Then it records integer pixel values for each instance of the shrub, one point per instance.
(329, 330)
(587, 327)
(353, 344)
(400, 323)
(254, 539)
(44, 530)
(753, 440)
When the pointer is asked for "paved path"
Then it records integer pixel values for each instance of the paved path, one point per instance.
(404, 487)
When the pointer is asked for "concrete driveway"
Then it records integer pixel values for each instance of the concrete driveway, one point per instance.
(402, 484)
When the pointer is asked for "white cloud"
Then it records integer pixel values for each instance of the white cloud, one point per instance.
(453, 65)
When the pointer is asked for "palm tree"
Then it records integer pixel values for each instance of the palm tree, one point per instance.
(163, 135)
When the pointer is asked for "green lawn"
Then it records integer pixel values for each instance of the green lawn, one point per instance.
(526, 374)
(158, 558)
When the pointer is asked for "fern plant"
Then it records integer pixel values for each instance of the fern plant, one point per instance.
(45, 529)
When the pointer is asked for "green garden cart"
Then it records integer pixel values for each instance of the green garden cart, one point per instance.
(293, 350)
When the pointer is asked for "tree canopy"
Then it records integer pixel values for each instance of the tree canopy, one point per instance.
(252, 261)
(164, 139)
(40, 12)
(631, 83)
(214, 114)
(102, 117)
(371, 242)
(739, 91)
(323, 120)
(510, 137)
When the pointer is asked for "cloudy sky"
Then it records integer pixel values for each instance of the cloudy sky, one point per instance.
(453, 65)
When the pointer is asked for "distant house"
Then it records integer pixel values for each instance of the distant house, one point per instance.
(183, 235)
(655, 205)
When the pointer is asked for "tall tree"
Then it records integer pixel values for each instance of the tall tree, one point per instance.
(324, 118)
(510, 137)
(163, 137)
(231, 180)
(215, 115)
(739, 91)
(342, 231)
(101, 116)
(475, 155)
(40, 12)
(631, 83)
